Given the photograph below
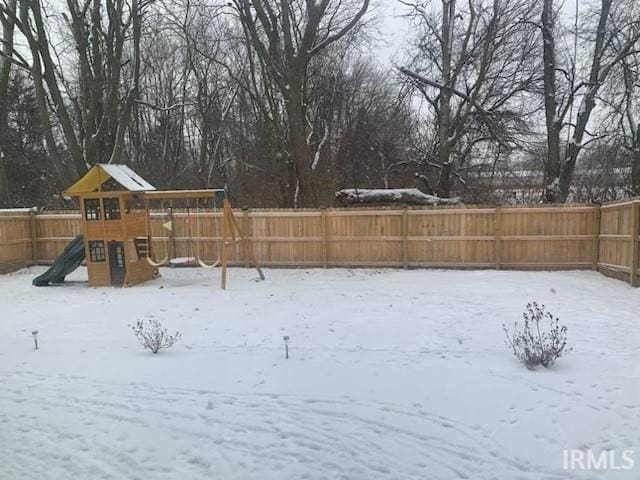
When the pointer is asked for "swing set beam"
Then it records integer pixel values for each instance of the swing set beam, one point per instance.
(177, 194)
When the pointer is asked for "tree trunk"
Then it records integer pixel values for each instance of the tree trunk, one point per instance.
(299, 148)
(635, 170)
(597, 76)
(575, 145)
(63, 173)
(444, 181)
(444, 111)
(8, 25)
(553, 123)
(286, 177)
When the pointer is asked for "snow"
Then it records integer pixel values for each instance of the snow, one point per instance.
(19, 210)
(393, 375)
(383, 195)
(127, 177)
(316, 157)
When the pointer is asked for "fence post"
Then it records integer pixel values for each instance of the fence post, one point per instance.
(596, 236)
(34, 235)
(405, 238)
(635, 224)
(248, 234)
(497, 227)
(325, 241)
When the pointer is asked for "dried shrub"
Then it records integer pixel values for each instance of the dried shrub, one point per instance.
(151, 335)
(533, 344)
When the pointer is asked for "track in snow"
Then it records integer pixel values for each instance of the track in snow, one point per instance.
(70, 427)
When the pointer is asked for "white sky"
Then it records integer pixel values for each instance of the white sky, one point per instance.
(395, 29)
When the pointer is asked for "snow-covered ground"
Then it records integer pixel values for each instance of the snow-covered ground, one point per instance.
(393, 375)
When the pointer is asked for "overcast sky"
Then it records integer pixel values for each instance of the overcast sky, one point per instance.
(394, 29)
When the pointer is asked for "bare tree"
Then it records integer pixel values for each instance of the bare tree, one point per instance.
(473, 66)
(287, 35)
(41, 70)
(630, 118)
(92, 112)
(101, 30)
(8, 25)
(623, 114)
(615, 35)
(369, 122)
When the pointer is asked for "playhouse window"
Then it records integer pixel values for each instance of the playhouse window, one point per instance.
(111, 208)
(92, 209)
(96, 251)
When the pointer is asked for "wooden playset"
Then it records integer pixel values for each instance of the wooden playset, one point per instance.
(116, 218)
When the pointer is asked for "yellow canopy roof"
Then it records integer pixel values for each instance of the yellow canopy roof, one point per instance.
(101, 172)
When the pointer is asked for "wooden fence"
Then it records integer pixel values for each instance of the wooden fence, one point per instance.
(618, 240)
(519, 237)
(17, 237)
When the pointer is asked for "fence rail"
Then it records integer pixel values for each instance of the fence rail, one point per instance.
(513, 237)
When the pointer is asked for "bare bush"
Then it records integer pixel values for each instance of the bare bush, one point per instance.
(151, 335)
(533, 345)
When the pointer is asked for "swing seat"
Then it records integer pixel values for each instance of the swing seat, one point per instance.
(183, 262)
(205, 265)
(161, 263)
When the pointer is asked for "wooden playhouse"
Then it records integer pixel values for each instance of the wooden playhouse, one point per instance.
(114, 223)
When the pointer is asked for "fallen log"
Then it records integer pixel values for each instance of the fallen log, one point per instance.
(412, 196)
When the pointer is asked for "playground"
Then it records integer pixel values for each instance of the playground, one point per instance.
(392, 374)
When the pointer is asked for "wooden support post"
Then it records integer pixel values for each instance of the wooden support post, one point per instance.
(596, 237)
(147, 227)
(231, 228)
(498, 236)
(235, 229)
(127, 242)
(229, 219)
(405, 238)
(635, 225)
(33, 227)
(246, 220)
(223, 253)
(324, 240)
